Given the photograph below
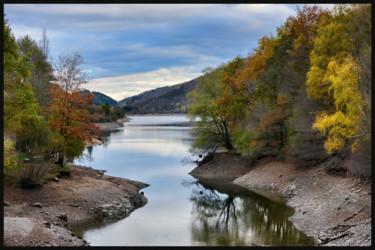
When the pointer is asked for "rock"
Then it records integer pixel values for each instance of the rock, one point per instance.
(63, 216)
(69, 189)
(289, 191)
(101, 172)
(6, 203)
(74, 205)
(37, 204)
(47, 224)
(55, 179)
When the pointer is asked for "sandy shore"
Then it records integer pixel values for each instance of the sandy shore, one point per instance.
(41, 216)
(333, 209)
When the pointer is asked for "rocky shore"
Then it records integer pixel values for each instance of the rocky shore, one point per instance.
(41, 216)
(105, 126)
(333, 208)
(109, 125)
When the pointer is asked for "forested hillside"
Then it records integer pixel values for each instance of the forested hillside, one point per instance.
(100, 99)
(302, 95)
(164, 100)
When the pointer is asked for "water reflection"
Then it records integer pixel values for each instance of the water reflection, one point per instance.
(193, 214)
(237, 217)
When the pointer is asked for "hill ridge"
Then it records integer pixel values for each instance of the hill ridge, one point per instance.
(162, 100)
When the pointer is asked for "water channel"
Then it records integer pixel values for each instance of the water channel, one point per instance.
(181, 211)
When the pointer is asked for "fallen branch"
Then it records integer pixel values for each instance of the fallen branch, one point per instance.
(338, 237)
(355, 213)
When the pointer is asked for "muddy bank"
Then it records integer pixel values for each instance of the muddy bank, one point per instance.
(333, 209)
(41, 216)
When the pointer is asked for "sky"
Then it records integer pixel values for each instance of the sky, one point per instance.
(132, 48)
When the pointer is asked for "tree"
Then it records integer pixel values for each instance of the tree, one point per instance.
(212, 127)
(20, 107)
(21, 111)
(106, 111)
(345, 123)
(41, 70)
(67, 113)
(340, 77)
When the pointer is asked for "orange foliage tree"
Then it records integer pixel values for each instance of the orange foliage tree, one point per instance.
(67, 114)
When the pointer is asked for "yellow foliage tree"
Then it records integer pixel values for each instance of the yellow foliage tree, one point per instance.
(344, 123)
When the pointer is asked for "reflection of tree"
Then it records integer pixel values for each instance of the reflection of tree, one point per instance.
(89, 150)
(224, 219)
(81, 227)
(105, 137)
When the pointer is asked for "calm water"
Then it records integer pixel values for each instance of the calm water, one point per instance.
(180, 211)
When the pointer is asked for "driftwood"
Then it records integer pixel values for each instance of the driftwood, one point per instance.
(355, 213)
(337, 237)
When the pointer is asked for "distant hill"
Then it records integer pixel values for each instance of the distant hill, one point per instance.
(101, 99)
(164, 100)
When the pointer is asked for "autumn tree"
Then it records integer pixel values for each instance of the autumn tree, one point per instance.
(67, 113)
(337, 79)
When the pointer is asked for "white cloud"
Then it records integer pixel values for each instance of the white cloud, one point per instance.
(33, 32)
(120, 87)
(71, 27)
(123, 16)
(267, 9)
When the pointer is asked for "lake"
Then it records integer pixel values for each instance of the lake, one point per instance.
(181, 211)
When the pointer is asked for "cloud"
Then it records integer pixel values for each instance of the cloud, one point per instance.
(129, 16)
(130, 48)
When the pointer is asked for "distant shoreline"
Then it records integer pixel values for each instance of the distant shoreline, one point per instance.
(171, 114)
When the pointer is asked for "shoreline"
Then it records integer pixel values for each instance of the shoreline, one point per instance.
(107, 126)
(41, 216)
(162, 114)
(333, 209)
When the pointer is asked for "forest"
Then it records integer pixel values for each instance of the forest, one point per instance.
(302, 95)
(48, 116)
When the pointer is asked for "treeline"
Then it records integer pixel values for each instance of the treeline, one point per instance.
(303, 94)
(45, 114)
(106, 113)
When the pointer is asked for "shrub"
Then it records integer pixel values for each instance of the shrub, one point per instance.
(30, 173)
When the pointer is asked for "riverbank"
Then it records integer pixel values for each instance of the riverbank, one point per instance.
(105, 126)
(109, 125)
(41, 216)
(333, 209)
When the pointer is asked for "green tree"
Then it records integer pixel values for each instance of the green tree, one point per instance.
(20, 106)
(211, 129)
(106, 111)
(41, 70)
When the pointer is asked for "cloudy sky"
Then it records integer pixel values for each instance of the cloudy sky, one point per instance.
(131, 48)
